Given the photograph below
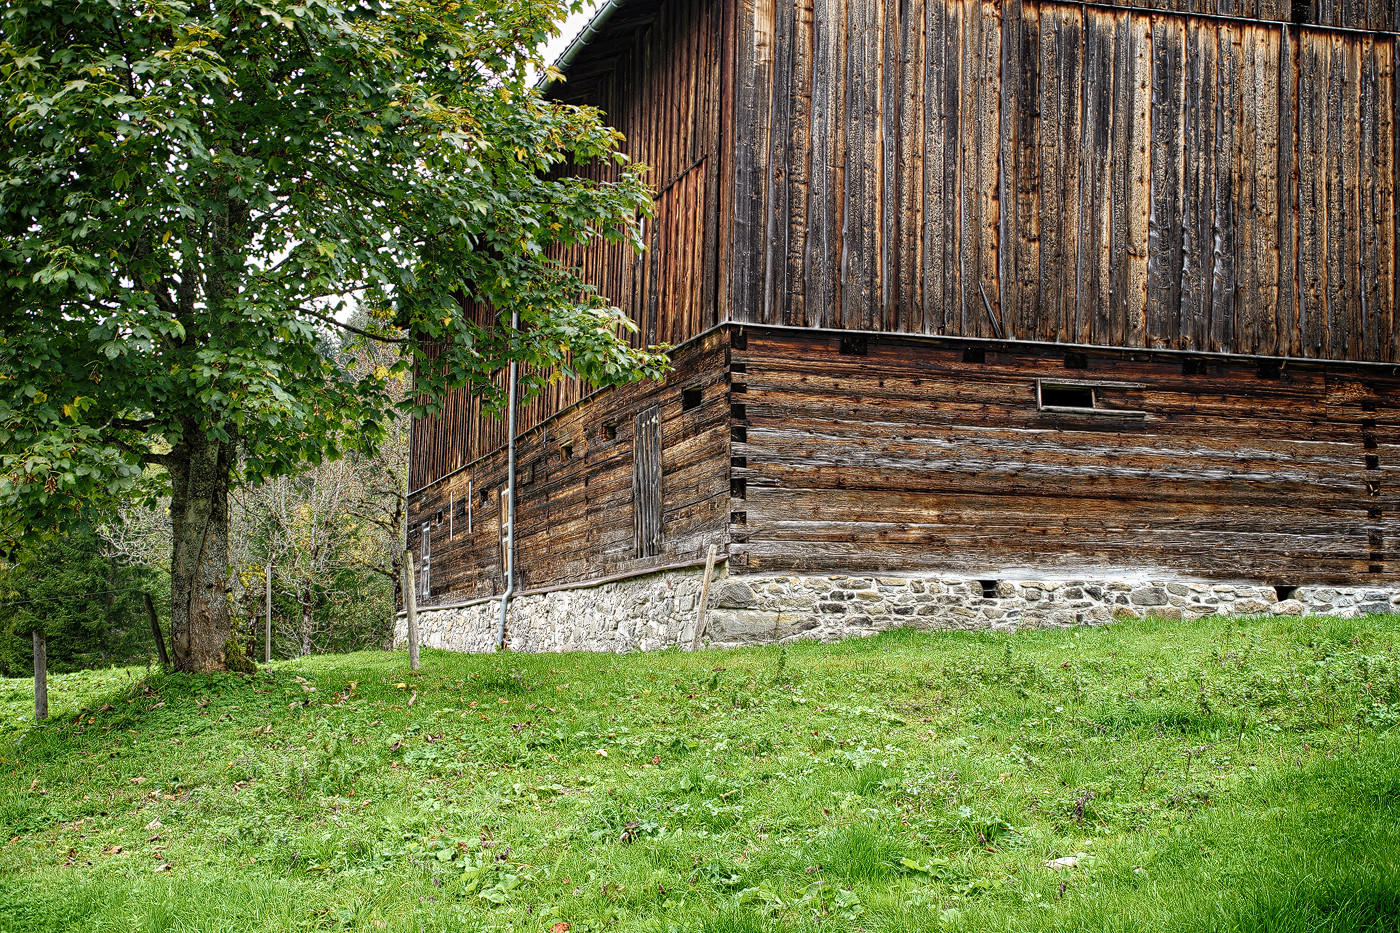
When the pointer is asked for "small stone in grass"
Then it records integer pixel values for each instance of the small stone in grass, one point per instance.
(1060, 864)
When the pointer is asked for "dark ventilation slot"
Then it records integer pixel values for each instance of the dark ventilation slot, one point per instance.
(485, 496)
(1373, 487)
(1373, 462)
(989, 588)
(1270, 369)
(1298, 12)
(566, 450)
(1368, 406)
(738, 489)
(740, 341)
(1376, 568)
(1373, 515)
(738, 518)
(1076, 361)
(855, 345)
(739, 434)
(738, 461)
(974, 355)
(1376, 541)
(1284, 592)
(738, 412)
(608, 430)
(690, 399)
(1063, 396)
(1368, 441)
(740, 368)
(439, 516)
(1193, 367)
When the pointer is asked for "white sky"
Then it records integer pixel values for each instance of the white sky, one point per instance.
(572, 27)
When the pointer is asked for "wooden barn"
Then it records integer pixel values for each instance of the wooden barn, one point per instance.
(995, 290)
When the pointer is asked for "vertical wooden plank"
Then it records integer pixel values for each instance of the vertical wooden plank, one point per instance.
(1165, 233)
(821, 260)
(754, 78)
(1225, 191)
(1348, 338)
(1059, 133)
(1313, 89)
(1027, 187)
(1093, 309)
(777, 215)
(913, 141)
(1287, 331)
(1197, 119)
(646, 483)
(1008, 144)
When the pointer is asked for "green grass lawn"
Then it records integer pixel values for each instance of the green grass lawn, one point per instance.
(1215, 775)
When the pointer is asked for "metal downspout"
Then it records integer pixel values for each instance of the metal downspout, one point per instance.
(509, 555)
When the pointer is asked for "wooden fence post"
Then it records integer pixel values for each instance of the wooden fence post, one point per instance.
(267, 631)
(704, 601)
(155, 629)
(410, 605)
(41, 677)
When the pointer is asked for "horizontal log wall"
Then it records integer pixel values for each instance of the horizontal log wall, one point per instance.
(574, 508)
(1069, 173)
(655, 73)
(912, 459)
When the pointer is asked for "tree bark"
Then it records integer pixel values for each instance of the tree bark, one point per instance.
(200, 622)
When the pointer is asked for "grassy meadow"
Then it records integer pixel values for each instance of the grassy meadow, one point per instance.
(1217, 775)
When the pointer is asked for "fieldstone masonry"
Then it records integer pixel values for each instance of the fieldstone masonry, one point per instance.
(659, 610)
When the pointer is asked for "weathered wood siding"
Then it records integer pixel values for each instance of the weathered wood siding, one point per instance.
(910, 459)
(1070, 173)
(655, 72)
(576, 476)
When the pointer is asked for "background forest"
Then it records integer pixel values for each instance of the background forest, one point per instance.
(332, 536)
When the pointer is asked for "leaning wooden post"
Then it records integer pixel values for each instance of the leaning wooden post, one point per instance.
(41, 677)
(267, 630)
(410, 606)
(704, 601)
(155, 630)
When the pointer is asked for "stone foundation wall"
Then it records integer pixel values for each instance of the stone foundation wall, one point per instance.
(659, 610)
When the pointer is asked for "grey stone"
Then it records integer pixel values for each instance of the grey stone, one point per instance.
(1149, 596)
(733, 594)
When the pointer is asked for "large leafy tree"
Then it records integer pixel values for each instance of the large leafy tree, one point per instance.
(190, 193)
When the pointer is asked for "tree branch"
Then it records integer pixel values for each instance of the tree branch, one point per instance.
(350, 327)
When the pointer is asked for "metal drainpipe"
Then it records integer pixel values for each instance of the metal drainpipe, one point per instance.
(509, 556)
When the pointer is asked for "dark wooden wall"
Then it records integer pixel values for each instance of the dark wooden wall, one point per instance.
(911, 459)
(1073, 173)
(575, 510)
(655, 72)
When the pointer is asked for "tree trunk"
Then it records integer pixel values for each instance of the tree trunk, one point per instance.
(200, 623)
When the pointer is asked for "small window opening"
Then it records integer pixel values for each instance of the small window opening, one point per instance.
(974, 355)
(690, 399)
(1076, 361)
(439, 517)
(1373, 462)
(1193, 367)
(1270, 369)
(1063, 396)
(989, 588)
(608, 430)
(855, 345)
(1284, 592)
(566, 450)
(485, 496)
(739, 434)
